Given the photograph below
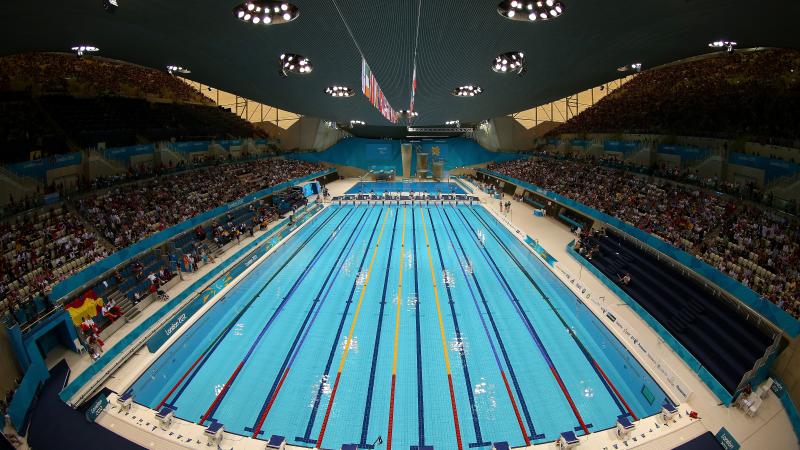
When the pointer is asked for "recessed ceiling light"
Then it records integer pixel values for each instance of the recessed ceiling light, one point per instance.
(177, 69)
(292, 63)
(727, 45)
(453, 123)
(356, 122)
(274, 12)
(110, 5)
(509, 62)
(339, 91)
(81, 49)
(635, 67)
(535, 10)
(467, 91)
(406, 113)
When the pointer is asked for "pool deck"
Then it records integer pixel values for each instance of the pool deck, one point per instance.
(769, 428)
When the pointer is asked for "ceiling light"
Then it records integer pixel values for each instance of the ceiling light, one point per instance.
(339, 91)
(356, 122)
(287, 64)
(635, 67)
(454, 123)
(510, 62)
(539, 10)
(727, 45)
(274, 12)
(110, 5)
(177, 69)
(467, 91)
(406, 113)
(81, 49)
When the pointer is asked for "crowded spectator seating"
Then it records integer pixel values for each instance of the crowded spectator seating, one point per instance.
(697, 318)
(53, 103)
(62, 73)
(23, 127)
(49, 244)
(40, 249)
(755, 245)
(126, 214)
(120, 121)
(748, 94)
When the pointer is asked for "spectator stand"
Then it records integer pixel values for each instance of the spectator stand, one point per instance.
(55, 328)
(150, 331)
(759, 311)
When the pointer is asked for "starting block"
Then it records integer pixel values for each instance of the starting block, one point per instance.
(568, 440)
(125, 401)
(624, 427)
(165, 416)
(500, 446)
(276, 442)
(668, 411)
(214, 433)
(349, 447)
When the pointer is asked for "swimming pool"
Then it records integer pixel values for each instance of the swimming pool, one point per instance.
(436, 320)
(379, 187)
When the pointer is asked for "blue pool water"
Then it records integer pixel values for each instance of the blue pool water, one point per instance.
(379, 187)
(527, 360)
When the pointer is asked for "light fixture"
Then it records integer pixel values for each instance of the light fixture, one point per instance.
(356, 122)
(509, 62)
(110, 5)
(177, 69)
(297, 64)
(266, 12)
(81, 49)
(339, 91)
(530, 10)
(453, 123)
(635, 67)
(408, 114)
(727, 45)
(467, 91)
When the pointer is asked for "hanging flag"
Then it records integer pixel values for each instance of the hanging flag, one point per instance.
(371, 89)
(413, 87)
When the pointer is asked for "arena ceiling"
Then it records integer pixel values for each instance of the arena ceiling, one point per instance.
(458, 40)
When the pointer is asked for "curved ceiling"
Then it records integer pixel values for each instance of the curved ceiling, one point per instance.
(457, 41)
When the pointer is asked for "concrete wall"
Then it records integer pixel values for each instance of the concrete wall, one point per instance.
(309, 133)
(737, 173)
(66, 176)
(11, 184)
(787, 367)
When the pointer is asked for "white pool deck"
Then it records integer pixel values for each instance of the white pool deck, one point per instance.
(770, 428)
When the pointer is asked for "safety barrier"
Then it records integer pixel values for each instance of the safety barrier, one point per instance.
(748, 297)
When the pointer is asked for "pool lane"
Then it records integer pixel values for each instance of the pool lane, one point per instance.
(166, 380)
(266, 298)
(408, 324)
(308, 323)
